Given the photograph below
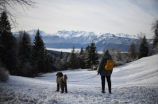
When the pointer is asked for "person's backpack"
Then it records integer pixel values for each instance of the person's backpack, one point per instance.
(109, 65)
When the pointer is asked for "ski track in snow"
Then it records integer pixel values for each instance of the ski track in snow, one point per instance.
(134, 83)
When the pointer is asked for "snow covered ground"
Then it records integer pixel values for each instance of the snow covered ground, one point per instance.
(134, 83)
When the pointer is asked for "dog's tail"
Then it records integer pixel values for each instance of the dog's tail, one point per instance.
(65, 78)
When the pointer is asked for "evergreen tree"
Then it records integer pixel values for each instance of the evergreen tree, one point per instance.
(61, 55)
(88, 60)
(155, 42)
(132, 51)
(38, 55)
(81, 61)
(25, 55)
(8, 55)
(81, 51)
(25, 48)
(48, 59)
(72, 58)
(143, 49)
(50, 62)
(87, 49)
(92, 58)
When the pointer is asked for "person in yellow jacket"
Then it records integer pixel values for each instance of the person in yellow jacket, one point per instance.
(105, 73)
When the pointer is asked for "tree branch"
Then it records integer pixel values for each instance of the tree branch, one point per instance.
(4, 4)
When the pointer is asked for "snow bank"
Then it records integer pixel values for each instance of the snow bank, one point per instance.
(143, 71)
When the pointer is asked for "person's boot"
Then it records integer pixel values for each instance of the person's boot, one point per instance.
(110, 92)
(103, 91)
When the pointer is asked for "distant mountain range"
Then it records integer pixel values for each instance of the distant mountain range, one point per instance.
(78, 39)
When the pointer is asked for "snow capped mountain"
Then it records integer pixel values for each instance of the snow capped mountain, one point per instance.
(68, 39)
(72, 34)
(33, 32)
(126, 35)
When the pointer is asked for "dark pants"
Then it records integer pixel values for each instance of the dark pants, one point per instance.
(108, 78)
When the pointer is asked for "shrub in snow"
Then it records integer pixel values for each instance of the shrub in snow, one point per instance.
(118, 57)
(94, 67)
(117, 63)
(61, 64)
(4, 74)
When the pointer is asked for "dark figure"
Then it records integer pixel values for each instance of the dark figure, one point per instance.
(105, 73)
(62, 83)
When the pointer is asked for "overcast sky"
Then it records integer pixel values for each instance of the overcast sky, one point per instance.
(104, 16)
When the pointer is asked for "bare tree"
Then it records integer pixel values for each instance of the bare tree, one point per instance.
(140, 36)
(5, 5)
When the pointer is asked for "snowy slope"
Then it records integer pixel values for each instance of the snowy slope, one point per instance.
(134, 83)
(143, 71)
